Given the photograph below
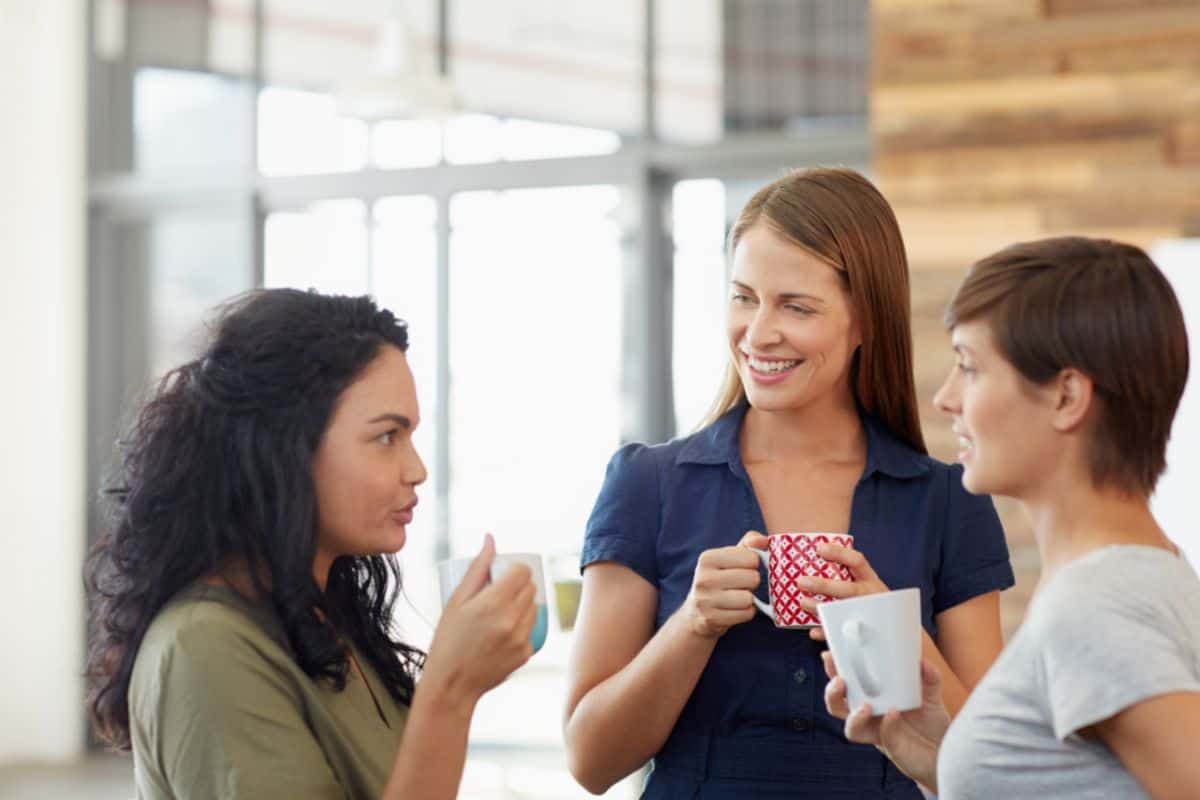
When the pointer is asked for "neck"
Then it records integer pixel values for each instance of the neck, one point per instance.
(1073, 518)
(828, 430)
(321, 566)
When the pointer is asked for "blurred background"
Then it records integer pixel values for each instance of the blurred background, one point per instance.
(542, 188)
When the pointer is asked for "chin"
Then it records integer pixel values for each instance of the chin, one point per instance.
(971, 477)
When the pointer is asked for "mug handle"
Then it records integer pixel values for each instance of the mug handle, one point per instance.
(858, 634)
(764, 607)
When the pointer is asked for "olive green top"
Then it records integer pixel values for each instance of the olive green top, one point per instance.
(218, 708)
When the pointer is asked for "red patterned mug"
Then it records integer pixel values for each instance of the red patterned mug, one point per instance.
(792, 555)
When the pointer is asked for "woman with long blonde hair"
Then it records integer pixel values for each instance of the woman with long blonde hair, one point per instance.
(815, 430)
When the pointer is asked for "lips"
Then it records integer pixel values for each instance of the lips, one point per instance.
(404, 514)
(767, 371)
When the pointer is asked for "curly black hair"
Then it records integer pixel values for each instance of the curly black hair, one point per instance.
(217, 469)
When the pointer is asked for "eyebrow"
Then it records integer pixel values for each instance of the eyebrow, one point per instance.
(399, 419)
(785, 296)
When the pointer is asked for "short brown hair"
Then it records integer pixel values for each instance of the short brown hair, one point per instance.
(841, 218)
(1105, 309)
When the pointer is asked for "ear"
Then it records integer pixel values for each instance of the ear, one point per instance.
(1073, 392)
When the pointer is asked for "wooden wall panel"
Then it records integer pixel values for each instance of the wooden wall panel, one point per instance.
(998, 121)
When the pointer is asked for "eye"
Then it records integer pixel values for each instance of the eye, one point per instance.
(965, 368)
(387, 438)
(801, 310)
(741, 299)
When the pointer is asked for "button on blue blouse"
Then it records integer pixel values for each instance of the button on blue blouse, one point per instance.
(756, 724)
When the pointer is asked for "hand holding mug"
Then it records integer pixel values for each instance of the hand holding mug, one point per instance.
(864, 581)
(721, 594)
(910, 739)
(484, 631)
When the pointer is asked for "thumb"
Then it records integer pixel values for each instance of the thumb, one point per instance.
(754, 539)
(931, 684)
(477, 575)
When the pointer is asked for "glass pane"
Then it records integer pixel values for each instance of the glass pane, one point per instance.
(522, 139)
(190, 119)
(514, 315)
(318, 44)
(404, 280)
(572, 63)
(397, 144)
(738, 66)
(322, 248)
(301, 133)
(472, 139)
(688, 66)
(535, 363)
(700, 351)
(195, 262)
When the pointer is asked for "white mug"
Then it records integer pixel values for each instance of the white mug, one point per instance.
(876, 645)
(451, 572)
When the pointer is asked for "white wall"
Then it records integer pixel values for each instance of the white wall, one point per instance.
(42, 330)
(1176, 504)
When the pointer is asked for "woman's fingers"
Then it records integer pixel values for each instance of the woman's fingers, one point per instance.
(753, 539)
(528, 615)
(931, 684)
(830, 666)
(477, 574)
(835, 698)
(732, 599)
(861, 726)
(834, 589)
(817, 634)
(729, 558)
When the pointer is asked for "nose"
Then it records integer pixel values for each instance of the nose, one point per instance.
(414, 473)
(762, 330)
(947, 399)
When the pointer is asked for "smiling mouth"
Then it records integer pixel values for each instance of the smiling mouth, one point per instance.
(771, 366)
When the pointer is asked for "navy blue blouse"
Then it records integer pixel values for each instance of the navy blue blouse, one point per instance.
(756, 723)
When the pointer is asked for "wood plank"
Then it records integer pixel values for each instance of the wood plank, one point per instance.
(1084, 159)
(1058, 8)
(902, 15)
(955, 235)
(899, 63)
(1180, 54)
(1018, 130)
(1183, 144)
(1141, 27)
(896, 108)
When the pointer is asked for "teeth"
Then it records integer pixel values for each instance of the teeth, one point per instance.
(965, 443)
(770, 367)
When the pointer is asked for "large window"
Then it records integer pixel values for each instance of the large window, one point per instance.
(524, 235)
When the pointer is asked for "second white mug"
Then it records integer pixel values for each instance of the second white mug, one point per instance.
(876, 645)
(450, 574)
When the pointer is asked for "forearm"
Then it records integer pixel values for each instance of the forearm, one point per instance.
(954, 693)
(623, 721)
(432, 752)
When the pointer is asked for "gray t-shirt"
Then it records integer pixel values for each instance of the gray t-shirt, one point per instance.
(1116, 627)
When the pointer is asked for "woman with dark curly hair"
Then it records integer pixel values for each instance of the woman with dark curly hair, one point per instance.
(242, 595)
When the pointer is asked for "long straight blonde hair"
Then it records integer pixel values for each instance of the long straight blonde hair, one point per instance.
(840, 217)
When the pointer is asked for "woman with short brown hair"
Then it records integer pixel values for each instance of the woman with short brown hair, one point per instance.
(1072, 359)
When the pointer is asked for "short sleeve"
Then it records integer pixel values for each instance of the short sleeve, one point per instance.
(974, 557)
(623, 526)
(225, 722)
(1103, 653)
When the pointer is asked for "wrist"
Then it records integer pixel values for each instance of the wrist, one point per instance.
(442, 695)
(693, 624)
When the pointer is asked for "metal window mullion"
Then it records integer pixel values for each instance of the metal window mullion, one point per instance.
(442, 430)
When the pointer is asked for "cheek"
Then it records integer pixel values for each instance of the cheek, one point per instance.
(348, 492)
